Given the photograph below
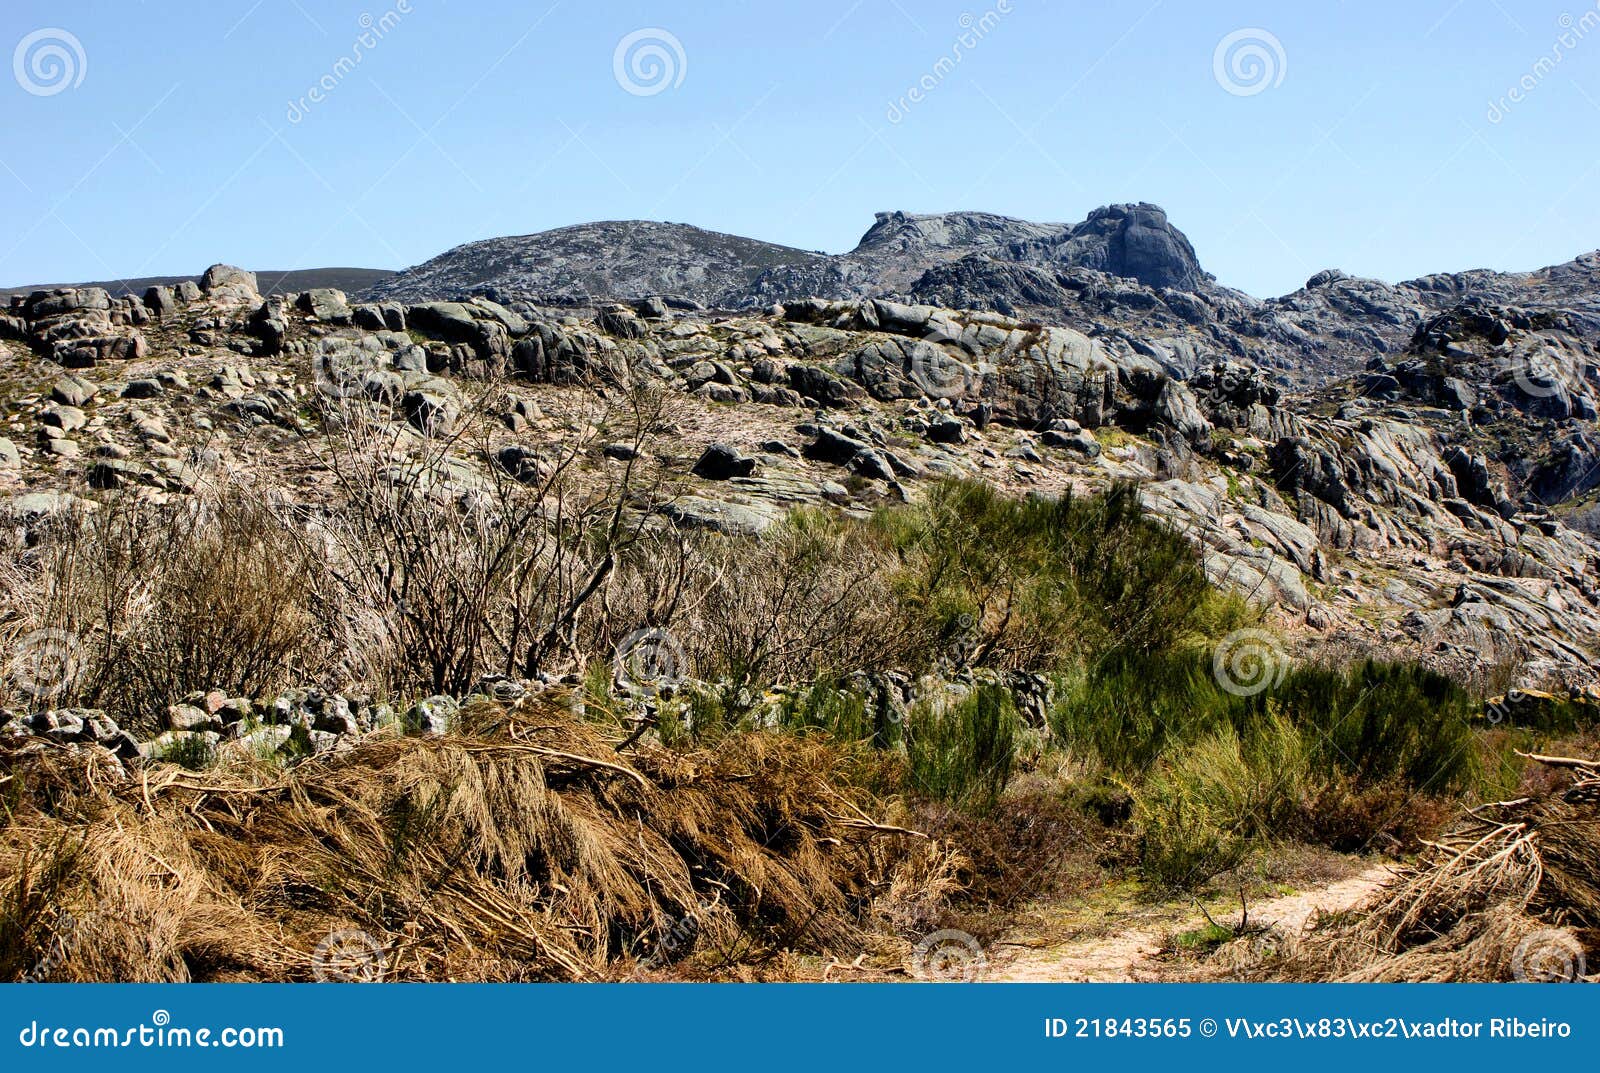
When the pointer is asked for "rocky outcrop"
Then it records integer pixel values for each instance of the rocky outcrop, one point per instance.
(630, 260)
(1415, 499)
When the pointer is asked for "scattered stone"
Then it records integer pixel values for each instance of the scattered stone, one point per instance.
(145, 388)
(326, 305)
(72, 391)
(721, 462)
(430, 717)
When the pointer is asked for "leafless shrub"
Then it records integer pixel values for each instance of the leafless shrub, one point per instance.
(460, 571)
(155, 600)
(809, 598)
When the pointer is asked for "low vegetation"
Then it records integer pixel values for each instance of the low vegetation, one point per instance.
(852, 728)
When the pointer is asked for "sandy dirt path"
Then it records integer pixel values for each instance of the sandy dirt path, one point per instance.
(1122, 946)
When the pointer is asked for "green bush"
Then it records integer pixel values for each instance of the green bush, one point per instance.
(1381, 722)
(963, 753)
(1374, 721)
(843, 713)
(1044, 583)
(1132, 708)
(1200, 811)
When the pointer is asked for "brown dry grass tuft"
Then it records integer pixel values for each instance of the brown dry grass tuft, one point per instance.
(1511, 892)
(531, 850)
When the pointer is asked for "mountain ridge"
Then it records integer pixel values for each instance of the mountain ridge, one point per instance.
(1124, 266)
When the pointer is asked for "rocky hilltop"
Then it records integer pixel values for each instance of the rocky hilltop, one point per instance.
(1427, 502)
(628, 260)
(1123, 268)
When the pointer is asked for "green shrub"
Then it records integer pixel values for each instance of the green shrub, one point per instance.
(1186, 832)
(1131, 708)
(190, 751)
(1376, 722)
(963, 753)
(1382, 722)
(843, 713)
(1200, 811)
(1040, 583)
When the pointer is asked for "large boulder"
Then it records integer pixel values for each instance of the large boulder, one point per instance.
(721, 462)
(325, 304)
(736, 519)
(228, 281)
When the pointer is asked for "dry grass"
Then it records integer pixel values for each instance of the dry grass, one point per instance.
(531, 850)
(1511, 892)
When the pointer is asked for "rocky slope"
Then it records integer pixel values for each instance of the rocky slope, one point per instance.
(1123, 268)
(1407, 508)
(627, 260)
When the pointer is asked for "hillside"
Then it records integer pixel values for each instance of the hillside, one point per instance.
(605, 640)
(271, 282)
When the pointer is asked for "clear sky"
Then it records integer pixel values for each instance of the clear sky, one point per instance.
(160, 137)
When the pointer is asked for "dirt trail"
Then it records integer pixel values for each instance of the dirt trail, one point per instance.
(1128, 953)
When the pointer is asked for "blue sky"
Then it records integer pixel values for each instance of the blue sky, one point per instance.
(163, 139)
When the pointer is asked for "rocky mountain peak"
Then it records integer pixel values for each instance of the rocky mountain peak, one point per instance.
(1137, 242)
(966, 232)
(628, 260)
